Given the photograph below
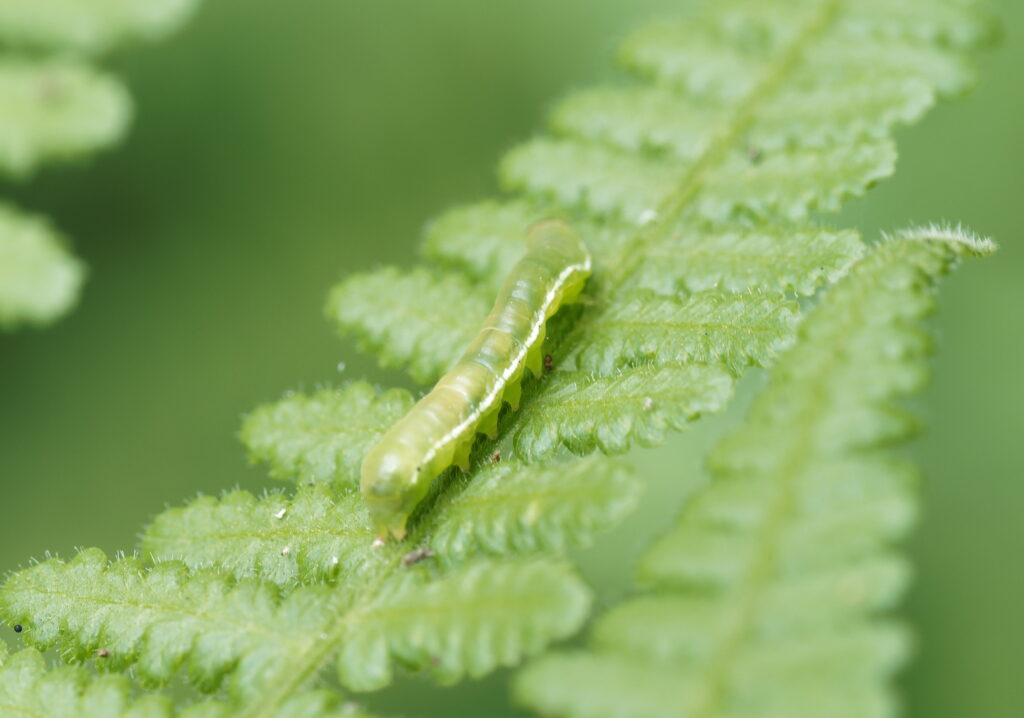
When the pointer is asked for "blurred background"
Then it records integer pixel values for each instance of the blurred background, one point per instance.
(278, 146)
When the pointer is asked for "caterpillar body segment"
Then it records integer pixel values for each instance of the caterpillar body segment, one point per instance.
(440, 429)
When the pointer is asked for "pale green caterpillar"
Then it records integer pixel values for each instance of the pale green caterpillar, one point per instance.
(440, 429)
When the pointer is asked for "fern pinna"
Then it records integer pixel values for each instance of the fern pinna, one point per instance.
(57, 106)
(695, 190)
(763, 599)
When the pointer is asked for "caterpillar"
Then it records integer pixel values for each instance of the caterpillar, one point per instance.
(440, 429)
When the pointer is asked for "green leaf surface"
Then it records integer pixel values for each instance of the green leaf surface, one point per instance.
(418, 320)
(508, 508)
(90, 26)
(308, 538)
(321, 438)
(56, 110)
(764, 598)
(468, 623)
(39, 278)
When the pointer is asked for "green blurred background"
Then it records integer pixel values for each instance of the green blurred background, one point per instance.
(280, 145)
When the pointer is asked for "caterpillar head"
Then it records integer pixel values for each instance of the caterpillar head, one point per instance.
(393, 484)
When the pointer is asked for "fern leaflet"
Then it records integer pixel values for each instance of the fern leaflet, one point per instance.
(59, 108)
(780, 566)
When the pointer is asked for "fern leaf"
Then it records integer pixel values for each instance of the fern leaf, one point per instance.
(28, 688)
(588, 177)
(379, 308)
(735, 330)
(163, 619)
(55, 109)
(509, 508)
(583, 412)
(160, 619)
(766, 592)
(88, 26)
(794, 258)
(312, 537)
(39, 278)
(656, 118)
(31, 690)
(505, 509)
(476, 619)
(483, 241)
(321, 438)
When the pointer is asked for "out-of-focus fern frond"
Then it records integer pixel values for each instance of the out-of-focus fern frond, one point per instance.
(55, 109)
(763, 599)
(39, 278)
(88, 26)
(59, 108)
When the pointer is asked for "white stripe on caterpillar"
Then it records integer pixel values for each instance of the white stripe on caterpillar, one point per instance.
(441, 428)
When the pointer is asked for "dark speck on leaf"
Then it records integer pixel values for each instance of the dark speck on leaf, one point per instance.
(17, 628)
(549, 362)
(416, 555)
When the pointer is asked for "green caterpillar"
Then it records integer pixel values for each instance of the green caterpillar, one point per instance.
(440, 429)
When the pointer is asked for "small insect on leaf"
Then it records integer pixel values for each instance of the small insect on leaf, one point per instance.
(441, 428)
(549, 363)
(416, 555)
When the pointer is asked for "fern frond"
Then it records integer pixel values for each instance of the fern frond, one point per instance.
(28, 688)
(321, 438)
(658, 119)
(31, 690)
(311, 537)
(635, 197)
(480, 617)
(606, 182)
(56, 109)
(764, 597)
(483, 241)
(733, 329)
(39, 278)
(789, 258)
(636, 406)
(506, 509)
(509, 508)
(412, 320)
(161, 619)
(88, 26)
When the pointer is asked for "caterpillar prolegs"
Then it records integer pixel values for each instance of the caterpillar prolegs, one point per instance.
(440, 429)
